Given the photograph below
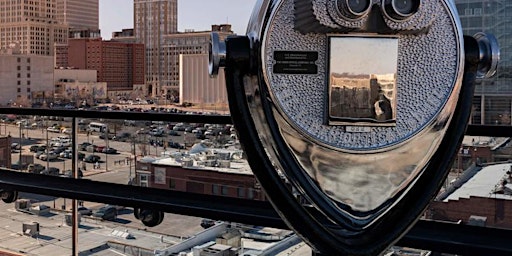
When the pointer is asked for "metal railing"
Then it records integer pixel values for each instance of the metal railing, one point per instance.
(429, 235)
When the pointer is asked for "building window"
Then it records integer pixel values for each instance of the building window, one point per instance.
(19, 89)
(28, 60)
(172, 183)
(19, 75)
(144, 180)
(224, 190)
(215, 189)
(19, 60)
(250, 193)
(28, 82)
(19, 82)
(241, 192)
(19, 67)
(28, 68)
(28, 75)
(28, 90)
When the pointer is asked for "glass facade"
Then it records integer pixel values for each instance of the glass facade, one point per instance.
(493, 97)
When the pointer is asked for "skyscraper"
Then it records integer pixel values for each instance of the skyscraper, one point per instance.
(153, 19)
(78, 13)
(493, 97)
(31, 24)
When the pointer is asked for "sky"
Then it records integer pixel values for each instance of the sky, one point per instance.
(199, 15)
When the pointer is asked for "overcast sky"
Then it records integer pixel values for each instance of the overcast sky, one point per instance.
(192, 14)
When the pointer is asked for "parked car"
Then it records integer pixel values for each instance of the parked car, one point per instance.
(83, 146)
(69, 173)
(35, 148)
(91, 148)
(15, 146)
(35, 168)
(173, 133)
(108, 150)
(106, 136)
(53, 129)
(206, 223)
(52, 171)
(84, 211)
(92, 158)
(39, 153)
(177, 145)
(122, 136)
(68, 153)
(107, 212)
(48, 156)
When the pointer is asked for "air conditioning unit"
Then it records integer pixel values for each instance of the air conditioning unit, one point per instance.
(30, 229)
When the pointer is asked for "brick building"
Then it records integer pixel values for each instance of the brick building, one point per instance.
(5, 151)
(235, 180)
(119, 64)
(493, 212)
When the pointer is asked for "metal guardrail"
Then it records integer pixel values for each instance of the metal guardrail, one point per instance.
(428, 235)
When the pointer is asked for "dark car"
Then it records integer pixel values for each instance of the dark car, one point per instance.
(173, 133)
(35, 148)
(177, 145)
(84, 146)
(206, 223)
(106, 212)
(123, 136)
(52, 171)
(84, 211)
(108, 150)
(106, 136)
(92, 158)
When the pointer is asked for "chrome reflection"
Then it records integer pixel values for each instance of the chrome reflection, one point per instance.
(362, 80)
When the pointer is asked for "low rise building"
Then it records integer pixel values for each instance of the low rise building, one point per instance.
(26, 78)
(212, 172)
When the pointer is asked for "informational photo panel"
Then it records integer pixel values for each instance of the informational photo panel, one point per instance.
(362, 81)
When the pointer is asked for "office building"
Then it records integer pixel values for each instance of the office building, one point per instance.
(120, 65)
(152, 21)
(187, 43)
(81, 16)
(26, 78)
(197, 87)
(78, 13)
(493, 97)
(35, 29)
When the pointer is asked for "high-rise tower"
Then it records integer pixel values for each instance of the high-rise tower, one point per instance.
(153, 19)
(32, 25)
(78, 13)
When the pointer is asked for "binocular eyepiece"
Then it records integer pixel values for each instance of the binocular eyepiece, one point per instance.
(397, 10)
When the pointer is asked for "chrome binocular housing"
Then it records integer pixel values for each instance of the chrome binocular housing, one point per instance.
(350, 112)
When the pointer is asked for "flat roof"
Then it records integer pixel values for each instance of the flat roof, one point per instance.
(483, 183)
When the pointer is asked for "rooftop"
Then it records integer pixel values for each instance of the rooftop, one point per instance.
(484, 183)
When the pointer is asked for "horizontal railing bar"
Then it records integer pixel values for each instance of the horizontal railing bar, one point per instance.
(427, 235)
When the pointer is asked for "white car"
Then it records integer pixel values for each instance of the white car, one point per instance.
(48, 156)
(53, 129)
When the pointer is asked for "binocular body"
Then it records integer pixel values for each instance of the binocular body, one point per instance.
(351, 112)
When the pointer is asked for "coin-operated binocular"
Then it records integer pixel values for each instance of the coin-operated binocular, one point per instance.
(351, 111)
